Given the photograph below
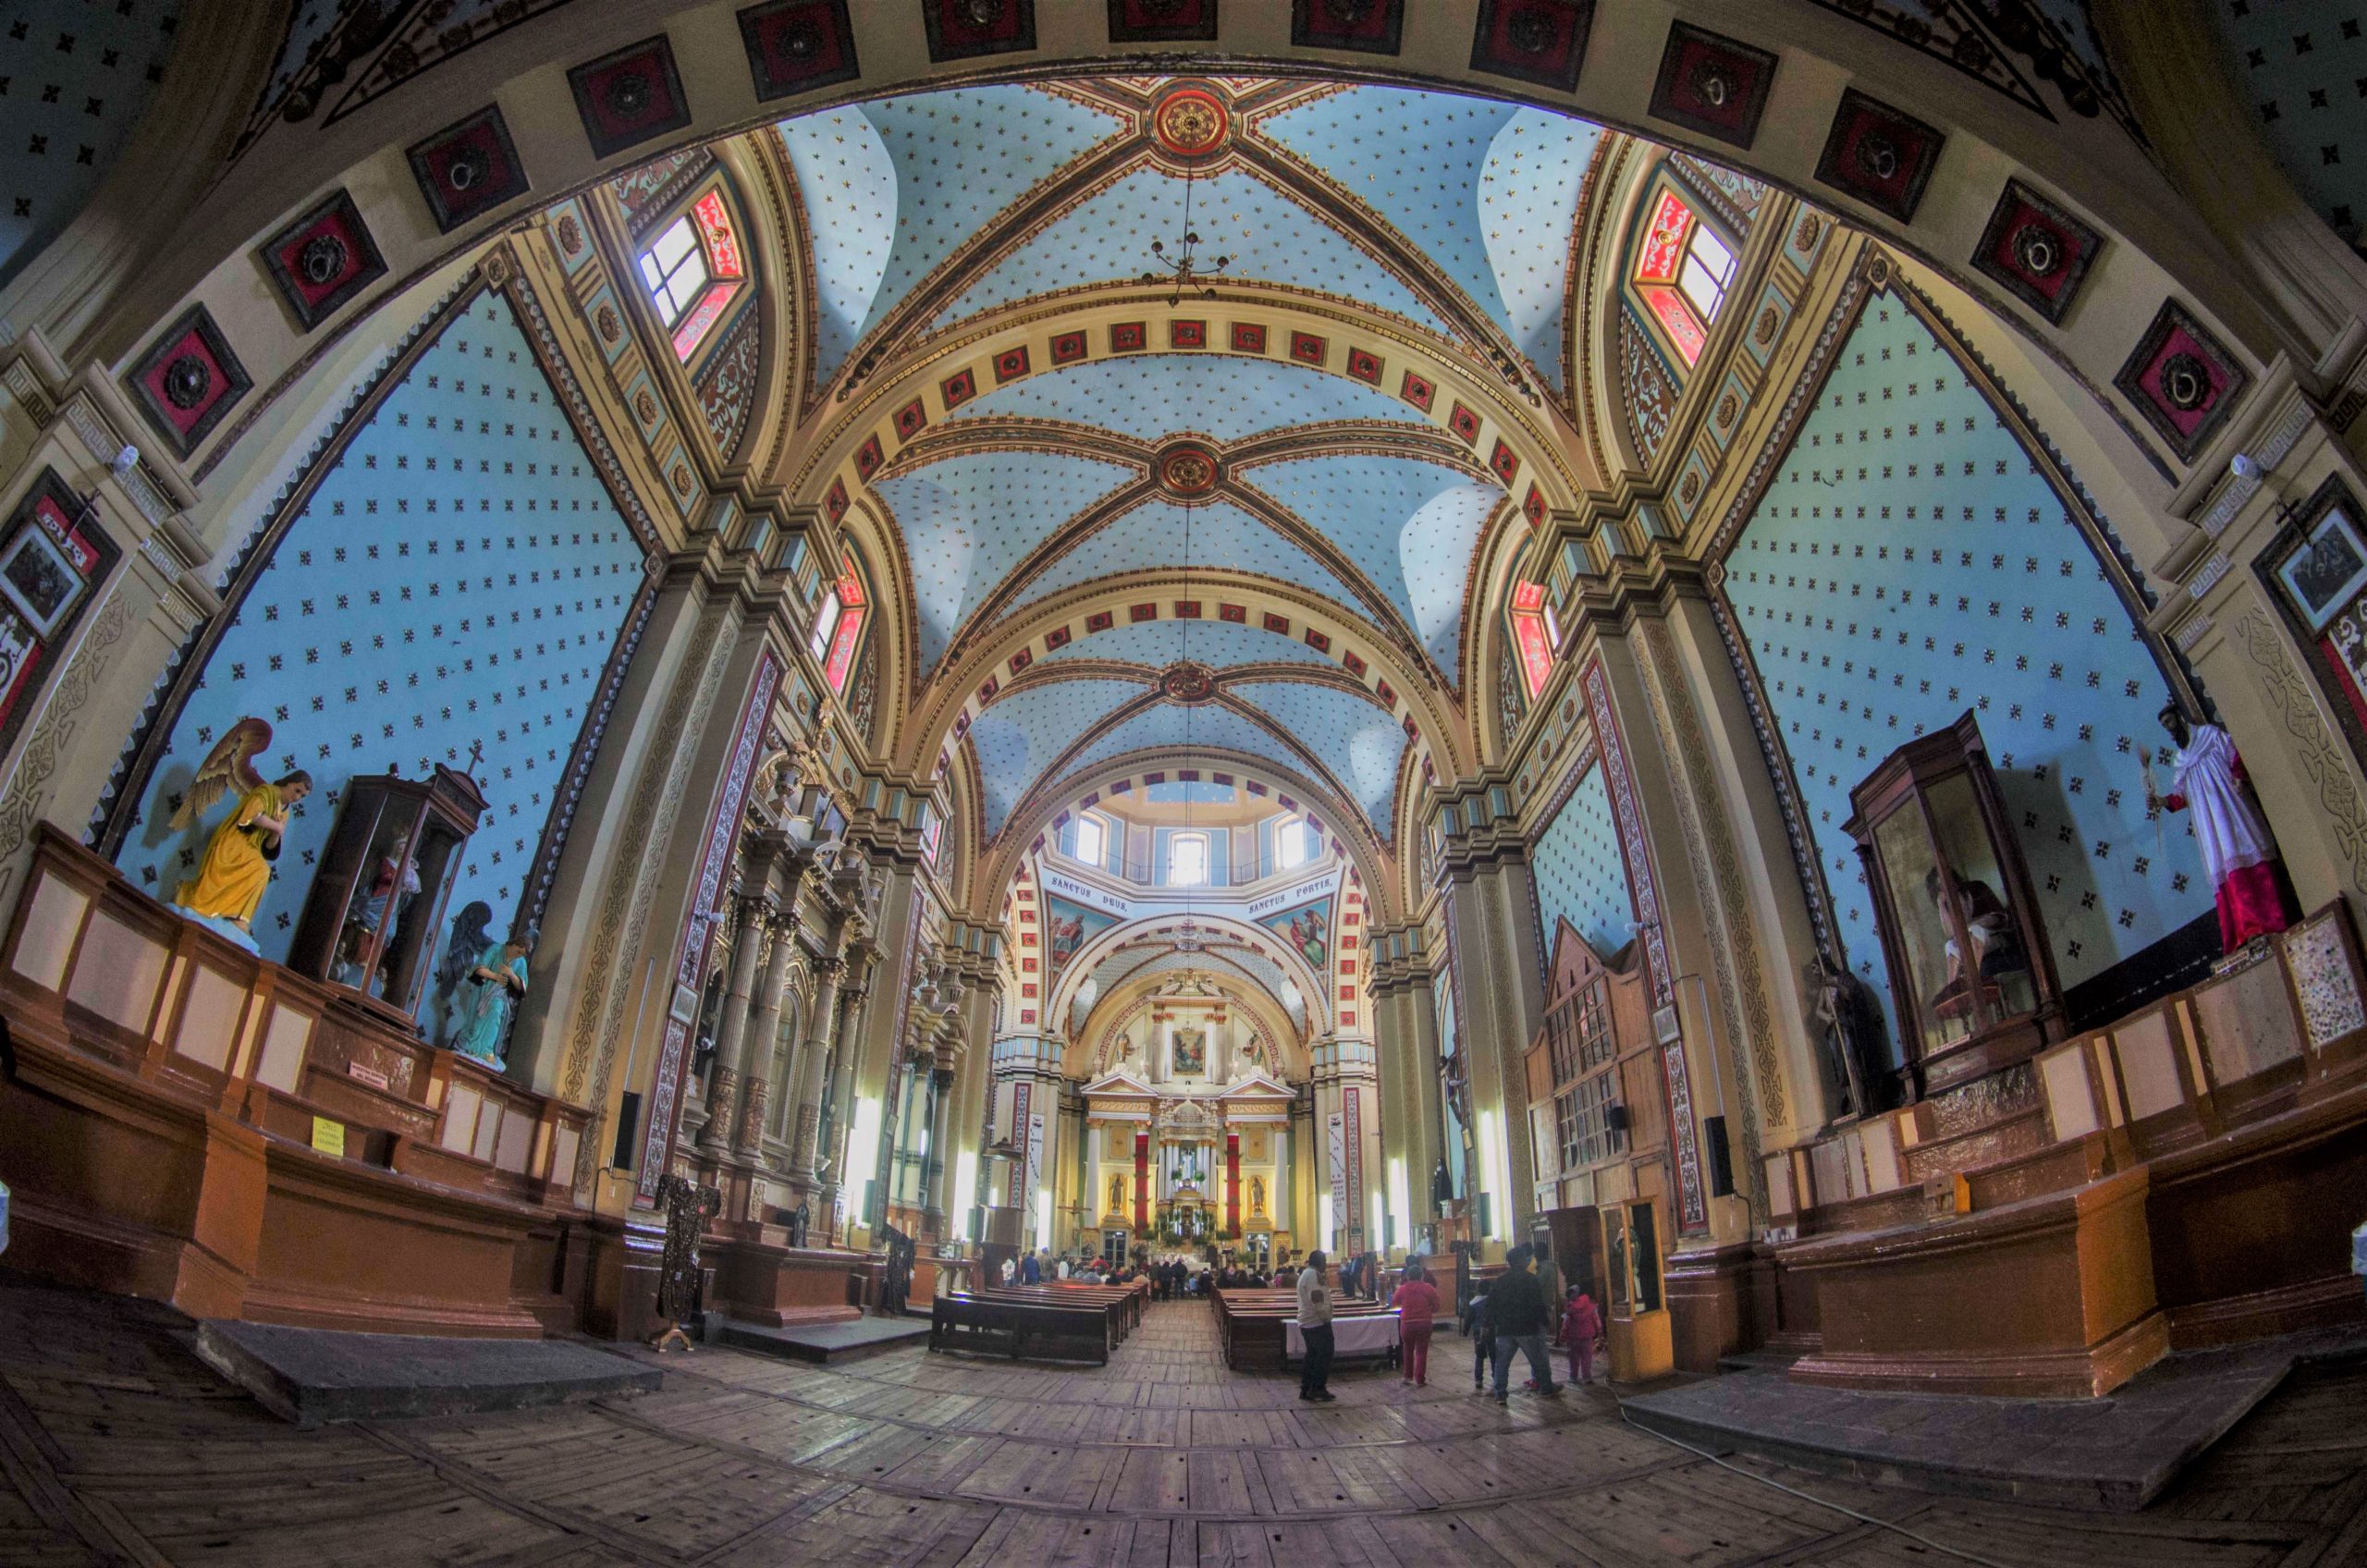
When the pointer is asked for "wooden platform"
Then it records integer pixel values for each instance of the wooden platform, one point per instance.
(314, 1375)
(2118, 1455)
(848, 1338)
(119, 1446)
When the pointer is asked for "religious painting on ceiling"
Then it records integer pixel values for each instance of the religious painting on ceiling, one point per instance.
(1307, 929)
(1069, 928)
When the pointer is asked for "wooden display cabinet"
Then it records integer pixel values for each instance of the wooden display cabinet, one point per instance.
(377, 902)
(1971, 976)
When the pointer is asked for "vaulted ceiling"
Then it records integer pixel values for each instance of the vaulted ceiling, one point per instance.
(1202, 452)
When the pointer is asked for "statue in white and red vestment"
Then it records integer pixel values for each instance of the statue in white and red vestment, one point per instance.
(2239, 854)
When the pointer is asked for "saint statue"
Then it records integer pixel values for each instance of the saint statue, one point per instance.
(496, 983)
(237, 868)
(1117, 1195)
(1257, 1197)
(2238, 855)
(1848, 1019)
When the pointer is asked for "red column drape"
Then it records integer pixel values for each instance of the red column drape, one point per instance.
(1142, 1183)
(1233, 1184)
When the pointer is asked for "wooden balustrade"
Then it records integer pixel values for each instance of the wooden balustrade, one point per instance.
(194, 1122)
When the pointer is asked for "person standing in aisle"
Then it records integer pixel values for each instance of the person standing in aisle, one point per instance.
(1417, 1302)
(1315, 1327)
(1521, 1317)
(1581, 1325)
(1483, 1340)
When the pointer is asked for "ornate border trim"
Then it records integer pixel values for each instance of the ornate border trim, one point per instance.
(1684, 1137)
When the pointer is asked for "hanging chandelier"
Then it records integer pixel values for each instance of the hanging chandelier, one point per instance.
(1183, 269)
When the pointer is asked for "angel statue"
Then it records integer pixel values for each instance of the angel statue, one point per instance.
(237, 868)
(497, 982)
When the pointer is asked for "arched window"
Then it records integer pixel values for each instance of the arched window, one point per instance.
(838, 629)
(1684, 267)
(1092, 842)
(1536, 633)
(693, 271)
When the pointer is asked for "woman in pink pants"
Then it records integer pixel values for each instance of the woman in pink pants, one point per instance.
(1417, 1302)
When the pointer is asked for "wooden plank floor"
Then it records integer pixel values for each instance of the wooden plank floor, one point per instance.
(117, 1446)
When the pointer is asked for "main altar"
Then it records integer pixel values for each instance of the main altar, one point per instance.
(1182, 1165)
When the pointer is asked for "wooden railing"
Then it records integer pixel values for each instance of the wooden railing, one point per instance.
(94, 966)
(2262, 1037)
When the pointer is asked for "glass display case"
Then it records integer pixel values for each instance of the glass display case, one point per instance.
(377, 903)
(1971, 976)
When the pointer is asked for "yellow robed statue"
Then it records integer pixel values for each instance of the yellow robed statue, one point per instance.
(237, 868)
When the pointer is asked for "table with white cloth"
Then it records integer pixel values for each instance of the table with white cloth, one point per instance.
(1368, 1334)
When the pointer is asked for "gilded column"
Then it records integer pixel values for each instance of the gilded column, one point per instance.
(757, 1048)
(838, 1098)
(723, 1092)
(829, 970)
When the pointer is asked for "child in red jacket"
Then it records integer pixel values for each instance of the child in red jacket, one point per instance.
(1581, 1325)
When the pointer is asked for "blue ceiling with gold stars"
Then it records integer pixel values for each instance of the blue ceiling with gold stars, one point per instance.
(1024, 733)
(1487, 190)
(970, 518)
(1227, 396)
(891, 189)
(1425, 212)
(1217, 535)
(1355, 738)
(1269, 237)
(1410, 526)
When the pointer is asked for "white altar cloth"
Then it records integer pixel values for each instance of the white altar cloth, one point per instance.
(1350, 1336)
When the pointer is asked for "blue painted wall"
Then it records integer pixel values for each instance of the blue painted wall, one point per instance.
(1910, 562)
(459, 576)
(1580, 876)
(75, 75)
(2299, 64)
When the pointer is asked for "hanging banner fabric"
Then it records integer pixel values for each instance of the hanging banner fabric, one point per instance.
(1353, 1133)
(1335, 1144)
(1016, 1191)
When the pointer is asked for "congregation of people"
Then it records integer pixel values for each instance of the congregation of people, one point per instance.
(1525, 1313)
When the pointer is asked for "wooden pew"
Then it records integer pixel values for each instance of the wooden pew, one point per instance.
(1122, 1304)
(988, 1326)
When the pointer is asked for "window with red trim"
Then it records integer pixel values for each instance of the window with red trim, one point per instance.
(932, 839)
(838, 629)
(692, 270)
(1683, 270)
(1536, 633)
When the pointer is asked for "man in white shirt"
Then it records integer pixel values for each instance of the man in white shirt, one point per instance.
(1064, 1265)
(1315, 1327)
